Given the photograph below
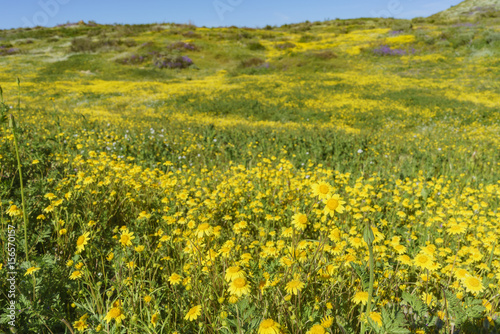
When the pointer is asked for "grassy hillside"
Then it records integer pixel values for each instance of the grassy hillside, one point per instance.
(338, 176)
(471, 8)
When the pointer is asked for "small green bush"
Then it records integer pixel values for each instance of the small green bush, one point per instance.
(402, 26)
(461, 39)
(252, 62)
(284, 46)
(86, 44)
(492, 37)
(308, 38)
(255, 46)
(324, 55)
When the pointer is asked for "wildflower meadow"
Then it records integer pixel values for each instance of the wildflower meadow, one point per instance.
(339, 176)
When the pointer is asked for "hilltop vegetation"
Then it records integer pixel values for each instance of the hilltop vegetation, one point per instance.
(335, 176)
(471, 10)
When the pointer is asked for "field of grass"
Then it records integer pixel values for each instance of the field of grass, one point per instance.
(322, 177)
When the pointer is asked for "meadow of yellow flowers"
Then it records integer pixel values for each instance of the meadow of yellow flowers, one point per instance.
(326, 177)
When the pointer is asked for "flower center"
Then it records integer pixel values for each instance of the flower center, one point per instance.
(203, 227)
(303, 219)
(332, 204)
(474, 282)
(267, 323)
(422, 259)
(317, 329)
(115, 312)
(324, 189)
(233, 270)
(240, 282)
(80, 240)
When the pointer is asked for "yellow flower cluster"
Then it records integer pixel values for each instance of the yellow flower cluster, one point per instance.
(180, 203)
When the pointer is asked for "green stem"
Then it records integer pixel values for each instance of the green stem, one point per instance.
(34, 287)
(238, 320)
(25, 219)
(370, 288)
(369, 241)
(491, 255)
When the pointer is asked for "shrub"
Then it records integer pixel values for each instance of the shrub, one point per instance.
(181, 46)
(421, 36)
(147, 45)
(191, 34)
(68, 24)
(255, 46)
(157, 28)
(96, 32)
(128, 43)
(85, 44)
(492, 37)
(7, 51)
(418, 20)
(385, 50)
(461, 39)
(402, 26)
(171, 62)
(487, 12)
(128, 30)
(284, 46)
(308, 38)
(132, 60)
(252, 62)
(325, 54)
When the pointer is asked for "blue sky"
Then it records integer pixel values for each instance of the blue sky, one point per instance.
(250, 13)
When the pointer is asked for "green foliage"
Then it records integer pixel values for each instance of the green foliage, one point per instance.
(393, 322)
(466, 313)
(402, 25)
(398, 139)
(493, 38)
(252, 62)
(255, 46)
(415, 303)
(242, 319)
(308, 38)
(3, 108)
(85, 44)
(363, 275)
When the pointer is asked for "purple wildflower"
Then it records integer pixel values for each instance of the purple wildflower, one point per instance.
(396, 32)
(385, 50)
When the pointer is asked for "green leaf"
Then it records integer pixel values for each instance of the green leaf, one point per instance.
(474, 308)
(415, 303)
(394, 321)
(455, 308)
(12, 123)
(368, 235)
(343, 325)
(363, 275)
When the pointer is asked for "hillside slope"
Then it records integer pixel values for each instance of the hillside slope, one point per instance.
(470, 8)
